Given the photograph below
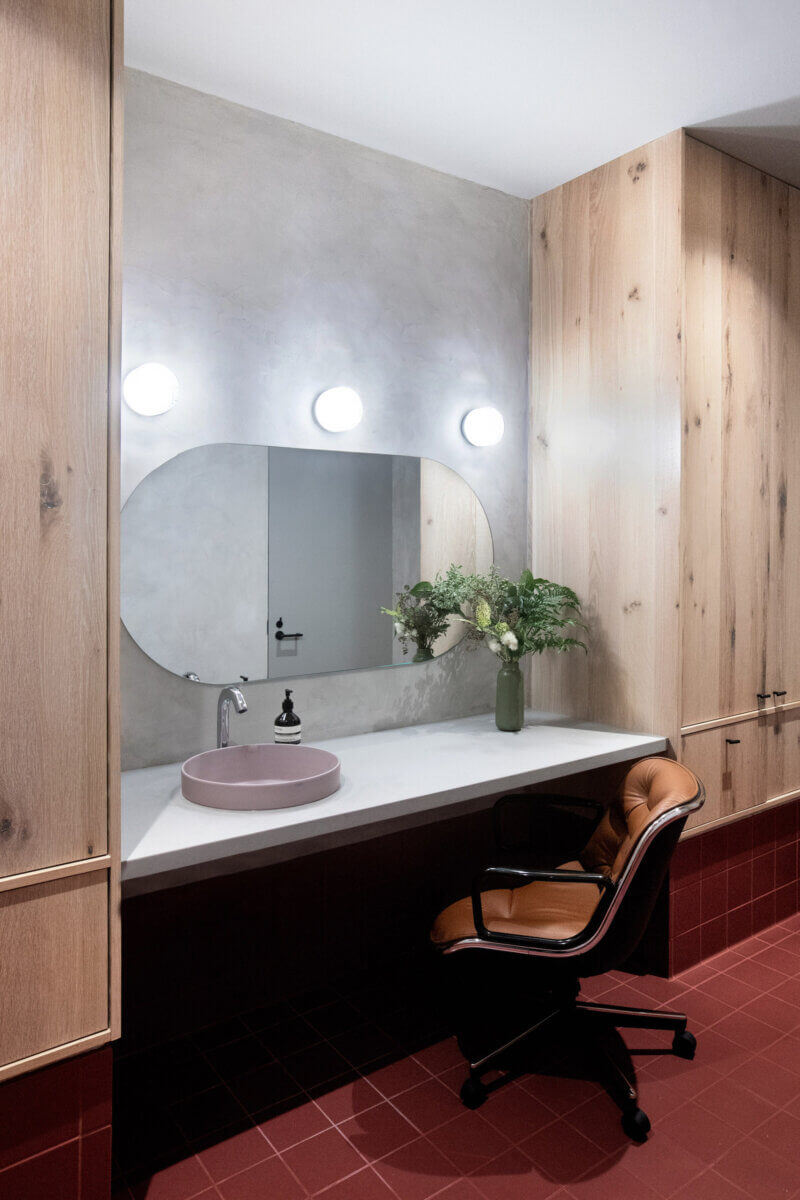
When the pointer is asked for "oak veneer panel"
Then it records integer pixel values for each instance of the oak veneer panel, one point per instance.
(783, 626)
(113, 515)
(54, 313)
(741, 437)
(53, 964)
(605, 432)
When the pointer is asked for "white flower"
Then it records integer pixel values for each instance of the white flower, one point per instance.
(494, 645)
(510, 639)
(400, 629)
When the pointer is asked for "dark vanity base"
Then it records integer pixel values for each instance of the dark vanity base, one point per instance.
(200, 952)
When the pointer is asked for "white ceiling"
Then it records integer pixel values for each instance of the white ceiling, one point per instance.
(517, 94)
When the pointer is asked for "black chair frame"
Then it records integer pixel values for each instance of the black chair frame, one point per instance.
(616, 927)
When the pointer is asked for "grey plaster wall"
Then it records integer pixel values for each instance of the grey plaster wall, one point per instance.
(265, 261)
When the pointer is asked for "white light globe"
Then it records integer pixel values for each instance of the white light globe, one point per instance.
(338, 409)
(483, 426)
(150, 390)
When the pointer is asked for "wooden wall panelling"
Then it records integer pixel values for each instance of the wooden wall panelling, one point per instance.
(605, 432)
(783, 629)
(53, 965)
(113, 513)
(54, 129)
(701, 467)
(734, 248)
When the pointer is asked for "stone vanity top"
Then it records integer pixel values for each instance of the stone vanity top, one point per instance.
(390, 779)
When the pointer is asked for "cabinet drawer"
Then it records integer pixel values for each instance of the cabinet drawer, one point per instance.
(53, 964)
(731, 761)
(783, 753)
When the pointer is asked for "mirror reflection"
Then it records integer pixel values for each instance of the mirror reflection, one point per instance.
(243, 562)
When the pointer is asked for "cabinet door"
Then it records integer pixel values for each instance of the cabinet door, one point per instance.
(783, 753)
(54, 331)
(783, 392)
(53, 965)
(731, 762)
(734, 218)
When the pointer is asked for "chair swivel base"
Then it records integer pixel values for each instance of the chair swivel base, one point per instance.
(587, 1023)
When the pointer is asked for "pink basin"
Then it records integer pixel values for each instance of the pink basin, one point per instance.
(252, 777)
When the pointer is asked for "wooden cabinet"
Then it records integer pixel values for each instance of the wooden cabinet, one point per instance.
(783, 630)
(782, 753)
(53, 966)
(741, 438)
(59, 332)
(732, 762)
(665, 457)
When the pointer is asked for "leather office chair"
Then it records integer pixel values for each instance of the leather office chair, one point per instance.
(583, 918)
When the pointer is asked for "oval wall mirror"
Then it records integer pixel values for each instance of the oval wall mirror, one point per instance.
(255, 562)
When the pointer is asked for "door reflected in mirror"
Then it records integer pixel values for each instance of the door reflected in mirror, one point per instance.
(244, 562)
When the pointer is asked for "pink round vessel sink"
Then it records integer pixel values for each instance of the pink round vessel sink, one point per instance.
(264, 776)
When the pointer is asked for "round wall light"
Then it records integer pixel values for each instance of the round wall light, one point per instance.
(483, 426)
(338, 409)
(150, 389)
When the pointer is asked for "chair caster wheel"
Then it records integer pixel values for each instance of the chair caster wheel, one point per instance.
(636, 1125)
(473, 1093)
(684, 1044)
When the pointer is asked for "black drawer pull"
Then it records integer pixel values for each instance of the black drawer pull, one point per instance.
(763, 695)
(779, 693)
(733, 741)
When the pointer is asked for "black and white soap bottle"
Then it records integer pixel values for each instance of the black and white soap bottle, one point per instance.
(288, 726)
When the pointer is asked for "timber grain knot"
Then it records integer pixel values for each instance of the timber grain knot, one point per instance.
(49, 494)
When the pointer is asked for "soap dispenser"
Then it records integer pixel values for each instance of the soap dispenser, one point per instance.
(288, 726)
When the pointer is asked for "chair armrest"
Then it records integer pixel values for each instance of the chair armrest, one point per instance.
(488, 935)
(575, 815)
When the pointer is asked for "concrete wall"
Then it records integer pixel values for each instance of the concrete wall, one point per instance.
(264, 262)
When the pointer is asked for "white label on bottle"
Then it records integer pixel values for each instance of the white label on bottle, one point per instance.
(288, 734)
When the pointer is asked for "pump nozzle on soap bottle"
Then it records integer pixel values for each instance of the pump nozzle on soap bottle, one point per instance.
(288, 726)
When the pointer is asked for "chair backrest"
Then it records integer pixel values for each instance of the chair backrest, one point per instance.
(651, 788)
(633, 845)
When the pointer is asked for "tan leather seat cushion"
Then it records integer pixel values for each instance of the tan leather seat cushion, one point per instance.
(541, 909)
(562, 910)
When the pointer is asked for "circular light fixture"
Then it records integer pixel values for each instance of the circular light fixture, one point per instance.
(150, 389)
(338, 409)
(483, 426)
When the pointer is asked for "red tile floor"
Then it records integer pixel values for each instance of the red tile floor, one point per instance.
(314, 1098)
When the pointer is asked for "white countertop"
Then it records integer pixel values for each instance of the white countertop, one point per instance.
(392, 778)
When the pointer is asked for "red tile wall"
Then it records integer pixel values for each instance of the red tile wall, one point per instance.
(732, 882)
(55, 1131)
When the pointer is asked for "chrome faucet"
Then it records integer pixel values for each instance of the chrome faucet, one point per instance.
(227, 697)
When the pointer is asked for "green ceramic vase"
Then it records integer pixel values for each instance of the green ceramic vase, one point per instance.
(510, 706)
(424, 654)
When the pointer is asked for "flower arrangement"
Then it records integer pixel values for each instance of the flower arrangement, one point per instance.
(516, 619)
(513, 619)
